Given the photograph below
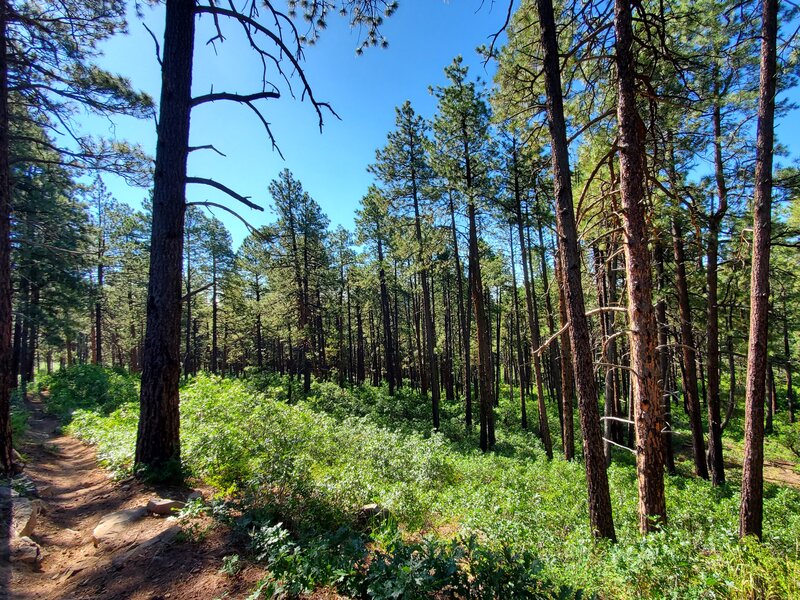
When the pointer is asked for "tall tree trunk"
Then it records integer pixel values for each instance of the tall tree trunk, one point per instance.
(498, 321)
(689, 356)
(388, 343)
(554, 351)
(664, 356)
(751, 511)
(158, 436)
(188, 361)
(98, 315)
(214, 343)
(431, 359)
(518, 337)
(649, 421)
(600, 515)
(787, 352)
(567, 373)
(715, 460)
(463, 315)
(361, 373)
(533, 327)
(731, 370)
(259, 334)
(482, 331)
(6, 316)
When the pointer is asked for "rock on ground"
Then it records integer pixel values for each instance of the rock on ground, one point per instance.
(164, 506)
(25, 550)
(113, 525)
(24, 514)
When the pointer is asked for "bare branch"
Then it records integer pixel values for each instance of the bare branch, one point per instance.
(207, 147)
(223, 188)
(155, 41)
(242, 98)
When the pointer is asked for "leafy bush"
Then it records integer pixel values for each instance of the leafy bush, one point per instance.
(519, 521)
(89, 387)
(19, 415)
(790, 437)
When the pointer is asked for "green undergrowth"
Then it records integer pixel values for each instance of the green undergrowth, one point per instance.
(311, 463)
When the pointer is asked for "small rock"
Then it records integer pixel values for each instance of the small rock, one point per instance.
(195, 495)
(25, 550)
(164, 506)
(370, 512)
(24, 513)
(114, 524)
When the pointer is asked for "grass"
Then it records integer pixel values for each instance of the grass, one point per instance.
(303, 470)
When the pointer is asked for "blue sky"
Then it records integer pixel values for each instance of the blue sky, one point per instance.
(424, 36)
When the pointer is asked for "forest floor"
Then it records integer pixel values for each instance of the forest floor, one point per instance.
(151, 558)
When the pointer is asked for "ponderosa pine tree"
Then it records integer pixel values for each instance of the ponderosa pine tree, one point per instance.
(689, 355)
(600, 514)
(47, 72)
(403, 168)
(461, 130)
(647, 406)
(158, 435)
(372, 220)
(297, 247)
(751, 511)
(6, 449)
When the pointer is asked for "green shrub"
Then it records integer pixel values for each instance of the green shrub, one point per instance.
(88, 387)
(508, 524)
(19, 415)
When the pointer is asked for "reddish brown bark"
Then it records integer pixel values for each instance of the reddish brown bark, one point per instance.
(689, 356)
(6, 348)
(600, 515)
(751, 510)
(648, 417)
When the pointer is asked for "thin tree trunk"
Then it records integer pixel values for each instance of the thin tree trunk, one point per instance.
(751, 511)
(482, 330)
(463, 315)
(689, 356)
(715, 460)
(731, 370)
(388, 343)
(98, 316)
(787, 352)
(214, 346)
(600, 515)
(533, 327)
(664, 356)
(518, 337)
(567, 373)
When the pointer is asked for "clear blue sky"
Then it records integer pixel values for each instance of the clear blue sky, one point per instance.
(424, 36)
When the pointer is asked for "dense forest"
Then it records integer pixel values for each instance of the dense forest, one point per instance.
(573, 285)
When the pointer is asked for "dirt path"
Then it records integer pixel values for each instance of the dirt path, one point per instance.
(146, 560)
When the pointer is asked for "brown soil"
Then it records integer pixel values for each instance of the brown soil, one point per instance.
(151, 560)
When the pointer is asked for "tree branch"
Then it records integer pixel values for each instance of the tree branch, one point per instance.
(223, 188)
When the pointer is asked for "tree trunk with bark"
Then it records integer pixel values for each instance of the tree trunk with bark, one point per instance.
(751, 510)
(6, 317)
(689, 356)
(600, 515)
(648, 417)
(158, 436)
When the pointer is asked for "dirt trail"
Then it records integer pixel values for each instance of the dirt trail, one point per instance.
(147, 560)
